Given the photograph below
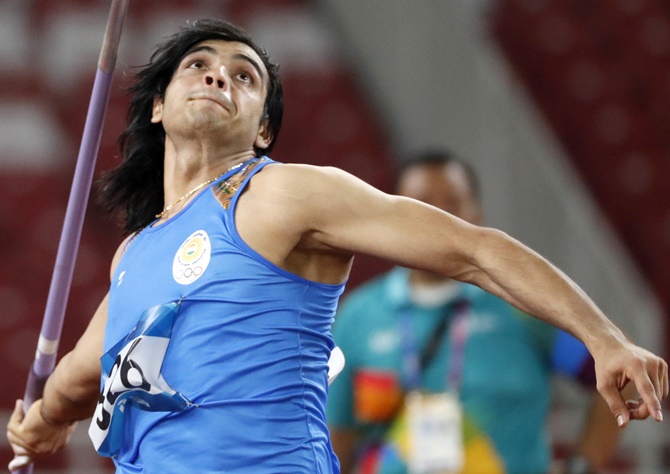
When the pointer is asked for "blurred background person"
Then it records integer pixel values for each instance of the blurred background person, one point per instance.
(416, 330)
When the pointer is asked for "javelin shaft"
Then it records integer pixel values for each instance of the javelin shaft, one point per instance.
(52, 323)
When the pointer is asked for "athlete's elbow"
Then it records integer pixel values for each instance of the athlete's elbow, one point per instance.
(76, 382)
(480, 250)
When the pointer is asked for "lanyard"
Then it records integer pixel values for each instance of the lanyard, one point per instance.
(413, 364)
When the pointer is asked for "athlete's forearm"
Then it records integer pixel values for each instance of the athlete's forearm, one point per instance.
(69, 394)
(72, 390)
(514, 272)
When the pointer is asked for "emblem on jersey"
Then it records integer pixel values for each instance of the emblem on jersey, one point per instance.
(192, 258)
(132, 377)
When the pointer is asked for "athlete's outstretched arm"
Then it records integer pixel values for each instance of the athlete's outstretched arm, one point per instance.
(342, 212)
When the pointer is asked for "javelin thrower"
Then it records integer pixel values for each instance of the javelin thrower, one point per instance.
(246, 258)
(52, 324)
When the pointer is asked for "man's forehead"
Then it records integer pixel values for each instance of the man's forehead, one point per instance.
(225, 47)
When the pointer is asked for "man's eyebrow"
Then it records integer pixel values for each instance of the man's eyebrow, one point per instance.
(243, 57)
(198, 48)
(251, 61)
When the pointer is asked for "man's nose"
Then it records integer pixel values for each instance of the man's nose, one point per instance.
(217, 77)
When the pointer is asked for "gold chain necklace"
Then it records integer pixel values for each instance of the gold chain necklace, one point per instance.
(167, 209)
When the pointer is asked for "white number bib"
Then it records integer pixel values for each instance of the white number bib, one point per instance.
(132, 376)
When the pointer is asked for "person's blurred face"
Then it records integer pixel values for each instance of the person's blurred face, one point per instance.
(443, 186)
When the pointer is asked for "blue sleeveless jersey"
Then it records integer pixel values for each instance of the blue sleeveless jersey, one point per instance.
(248, 348)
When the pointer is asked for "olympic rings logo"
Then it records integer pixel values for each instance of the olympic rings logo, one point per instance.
(190, 273)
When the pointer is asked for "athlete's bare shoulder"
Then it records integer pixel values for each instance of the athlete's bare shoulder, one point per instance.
(286, 196)
(309, 185)
(309, 176)
(281, 216)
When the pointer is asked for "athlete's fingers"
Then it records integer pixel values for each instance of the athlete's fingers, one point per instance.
(663, 376)
(17, 414)
(21, 457)
(647, 390)
(18, 462)
(15, 422)
(19, 450)
(616, 403)
(637, 409)
(659, 383)
(633, 404)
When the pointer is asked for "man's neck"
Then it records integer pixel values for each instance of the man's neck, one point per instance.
(187, 167)
(194, 160)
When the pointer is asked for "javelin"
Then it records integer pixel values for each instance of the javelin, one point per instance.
(52, 324)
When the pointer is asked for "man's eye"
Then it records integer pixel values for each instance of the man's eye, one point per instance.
(196, 65)
(244, 77)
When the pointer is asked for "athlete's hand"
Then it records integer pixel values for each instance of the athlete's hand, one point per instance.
(622, 362)
(31, 436)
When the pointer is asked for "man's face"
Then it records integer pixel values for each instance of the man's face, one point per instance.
(443, 186)
(218, 90)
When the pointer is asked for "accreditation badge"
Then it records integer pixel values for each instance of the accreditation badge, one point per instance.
(435, 433)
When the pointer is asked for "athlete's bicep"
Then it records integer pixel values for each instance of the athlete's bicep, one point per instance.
(351, 215)
(80, 369)
(83, 362)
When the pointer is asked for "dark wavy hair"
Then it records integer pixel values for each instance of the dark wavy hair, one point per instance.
(135, 187)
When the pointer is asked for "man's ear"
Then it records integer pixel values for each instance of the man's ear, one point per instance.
(264, 137)
(157, 110)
